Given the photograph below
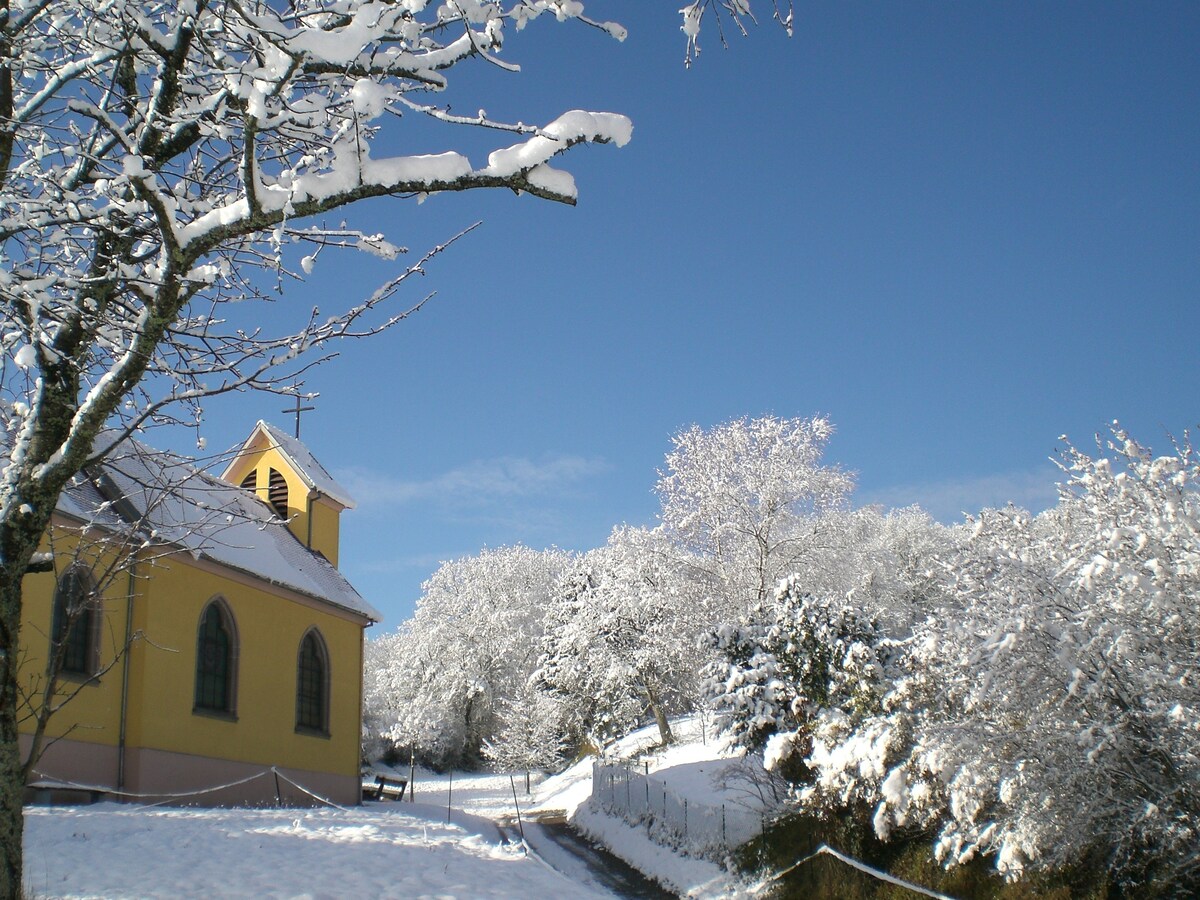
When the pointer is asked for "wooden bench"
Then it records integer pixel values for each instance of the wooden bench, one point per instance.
(387, 788)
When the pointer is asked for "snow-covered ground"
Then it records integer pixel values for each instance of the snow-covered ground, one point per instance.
(401, 850)
(378, 850)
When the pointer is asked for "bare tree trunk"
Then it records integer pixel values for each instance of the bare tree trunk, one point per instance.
(20, 532)
(660, 716)
(12, 782)
(11, 789)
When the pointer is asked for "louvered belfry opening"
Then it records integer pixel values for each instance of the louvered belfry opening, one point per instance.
(277, 493)
(250, 482)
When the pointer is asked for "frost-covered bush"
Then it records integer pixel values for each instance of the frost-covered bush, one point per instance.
(1049, 711)
(785, 664)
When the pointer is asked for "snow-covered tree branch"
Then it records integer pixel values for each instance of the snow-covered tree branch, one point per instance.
(159, 161)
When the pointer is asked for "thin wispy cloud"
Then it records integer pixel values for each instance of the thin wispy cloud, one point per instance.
(947, 501)
(478, 483)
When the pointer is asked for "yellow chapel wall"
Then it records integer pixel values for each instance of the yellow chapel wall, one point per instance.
(93, 715)
(269, 629)
(326, 528)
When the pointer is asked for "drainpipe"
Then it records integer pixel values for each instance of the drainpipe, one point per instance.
(308, 508)
(357, 743)
(125, 677)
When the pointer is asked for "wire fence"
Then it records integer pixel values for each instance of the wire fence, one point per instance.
(625, 790)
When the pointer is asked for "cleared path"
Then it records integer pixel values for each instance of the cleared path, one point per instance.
(564, 850)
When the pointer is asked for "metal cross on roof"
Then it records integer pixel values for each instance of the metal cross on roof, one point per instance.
(299, 409)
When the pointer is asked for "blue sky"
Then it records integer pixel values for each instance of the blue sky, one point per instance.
(958, 230)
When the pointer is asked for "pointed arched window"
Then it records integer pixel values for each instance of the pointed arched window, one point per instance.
(76, 626)
(312, 684)
(216, 660)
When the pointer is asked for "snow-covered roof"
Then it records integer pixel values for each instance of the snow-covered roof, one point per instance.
(172, 502)
(315, 475)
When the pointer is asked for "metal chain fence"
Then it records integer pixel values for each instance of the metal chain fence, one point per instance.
(624, 790)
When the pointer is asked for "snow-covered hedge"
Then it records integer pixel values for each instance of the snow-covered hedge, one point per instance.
(1046, 709)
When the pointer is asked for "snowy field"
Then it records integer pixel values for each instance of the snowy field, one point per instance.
(378, 850)
(388, 850)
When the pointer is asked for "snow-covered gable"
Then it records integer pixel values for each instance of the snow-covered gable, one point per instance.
(315, 475)
(171, 502)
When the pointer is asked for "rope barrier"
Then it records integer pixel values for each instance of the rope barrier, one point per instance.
(856, 864)
(52, 782)
(305, 790)
(165, 798)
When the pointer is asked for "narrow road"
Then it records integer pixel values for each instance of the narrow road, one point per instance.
(568, 852)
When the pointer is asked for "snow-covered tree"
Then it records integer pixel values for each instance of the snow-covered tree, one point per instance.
(472, 644)
(598, 703)
(1049, 711)
(739, 14)
(792, 659)
(393, 666)
(623, 641)
(529, 735)
(745, 500)
(821, 645)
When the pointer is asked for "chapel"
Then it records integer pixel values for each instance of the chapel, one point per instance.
(209, 651)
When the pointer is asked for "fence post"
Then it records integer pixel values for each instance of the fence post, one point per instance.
(685, 818)
(517, 807)
(724, 839)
